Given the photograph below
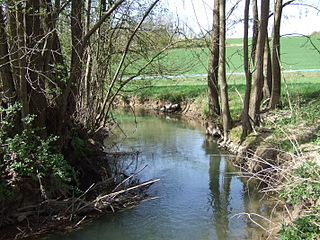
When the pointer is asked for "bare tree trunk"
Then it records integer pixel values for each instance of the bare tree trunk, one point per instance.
(226, 116)
(246, 126)
(6, 74)
(85, 87)
(267, 69)
(34, 34)
(213, 69)
(23, 91)
(255, 30)
(71, 90)
(258, 76)
(13, 43)
(276, 69)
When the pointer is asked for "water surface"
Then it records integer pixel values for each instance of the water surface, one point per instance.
(200, 196)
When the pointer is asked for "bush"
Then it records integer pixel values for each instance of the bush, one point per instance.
(26, 155)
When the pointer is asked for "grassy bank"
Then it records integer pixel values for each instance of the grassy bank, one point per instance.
(299, 89)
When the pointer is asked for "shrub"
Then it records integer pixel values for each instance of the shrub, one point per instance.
(24, 154)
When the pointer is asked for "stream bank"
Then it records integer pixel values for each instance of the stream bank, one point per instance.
(280, 156)
(263, 143)
(109, 190)
(201, 195)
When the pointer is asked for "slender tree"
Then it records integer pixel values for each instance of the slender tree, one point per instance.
(6, 75)
(213, 69)
(276, 69)
(225, 110)
(255, 29)
(259, 56)
(267, 71)
(246, 125)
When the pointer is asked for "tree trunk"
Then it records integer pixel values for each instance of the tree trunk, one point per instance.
(71, 90)
(226, 116)
(6, 74)
(258, 76)
(255, 30)
(267, 69)
(246, 126)
(276, 69)
(213, 69)
(35, 74)
(23, 91)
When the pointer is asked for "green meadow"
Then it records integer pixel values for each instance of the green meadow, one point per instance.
(297, 88)
(296, 53)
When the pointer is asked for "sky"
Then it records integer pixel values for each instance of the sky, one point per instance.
(197, 15)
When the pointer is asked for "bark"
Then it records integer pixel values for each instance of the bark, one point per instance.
(13, 43)
(103, 5)
(267, 69)
(258, 76)
(255, 30)
(6, 74)
(85, 88)
(34, 34)
(276, 69)
(246, 126)
(71, 90)
(226, 116)
(23, 85)
(213, 69)
(53, 61)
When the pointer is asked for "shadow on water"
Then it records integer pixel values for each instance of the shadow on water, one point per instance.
(201, 197)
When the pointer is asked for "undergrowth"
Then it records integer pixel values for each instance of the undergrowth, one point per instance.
(303, 187)
(25, 155)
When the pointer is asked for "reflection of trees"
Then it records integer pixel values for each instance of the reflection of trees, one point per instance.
(221, 192)
(252, 204)
(220, 189)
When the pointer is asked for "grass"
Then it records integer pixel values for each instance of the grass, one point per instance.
(297, 52)
(301, 88)
(302, 187)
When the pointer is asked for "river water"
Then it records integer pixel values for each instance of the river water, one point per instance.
(200, 195)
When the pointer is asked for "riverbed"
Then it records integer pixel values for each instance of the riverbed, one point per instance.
(201, 195)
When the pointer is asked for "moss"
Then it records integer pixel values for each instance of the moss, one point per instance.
(235, 134)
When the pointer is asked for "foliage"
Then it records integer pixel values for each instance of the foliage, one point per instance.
(305, 228)
(26, 155)
(303, 187)
(304, 184)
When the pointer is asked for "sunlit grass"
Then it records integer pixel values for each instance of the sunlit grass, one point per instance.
(303, 89)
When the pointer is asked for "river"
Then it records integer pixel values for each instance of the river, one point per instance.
(200, 195)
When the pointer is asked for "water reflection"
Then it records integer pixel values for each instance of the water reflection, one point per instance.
(199, 195)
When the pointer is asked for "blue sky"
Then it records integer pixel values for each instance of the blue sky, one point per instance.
(197, 15)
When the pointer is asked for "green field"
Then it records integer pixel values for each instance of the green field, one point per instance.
(297, 53)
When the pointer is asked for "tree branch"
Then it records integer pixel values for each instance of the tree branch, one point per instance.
(101, 21)
(125, 52)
